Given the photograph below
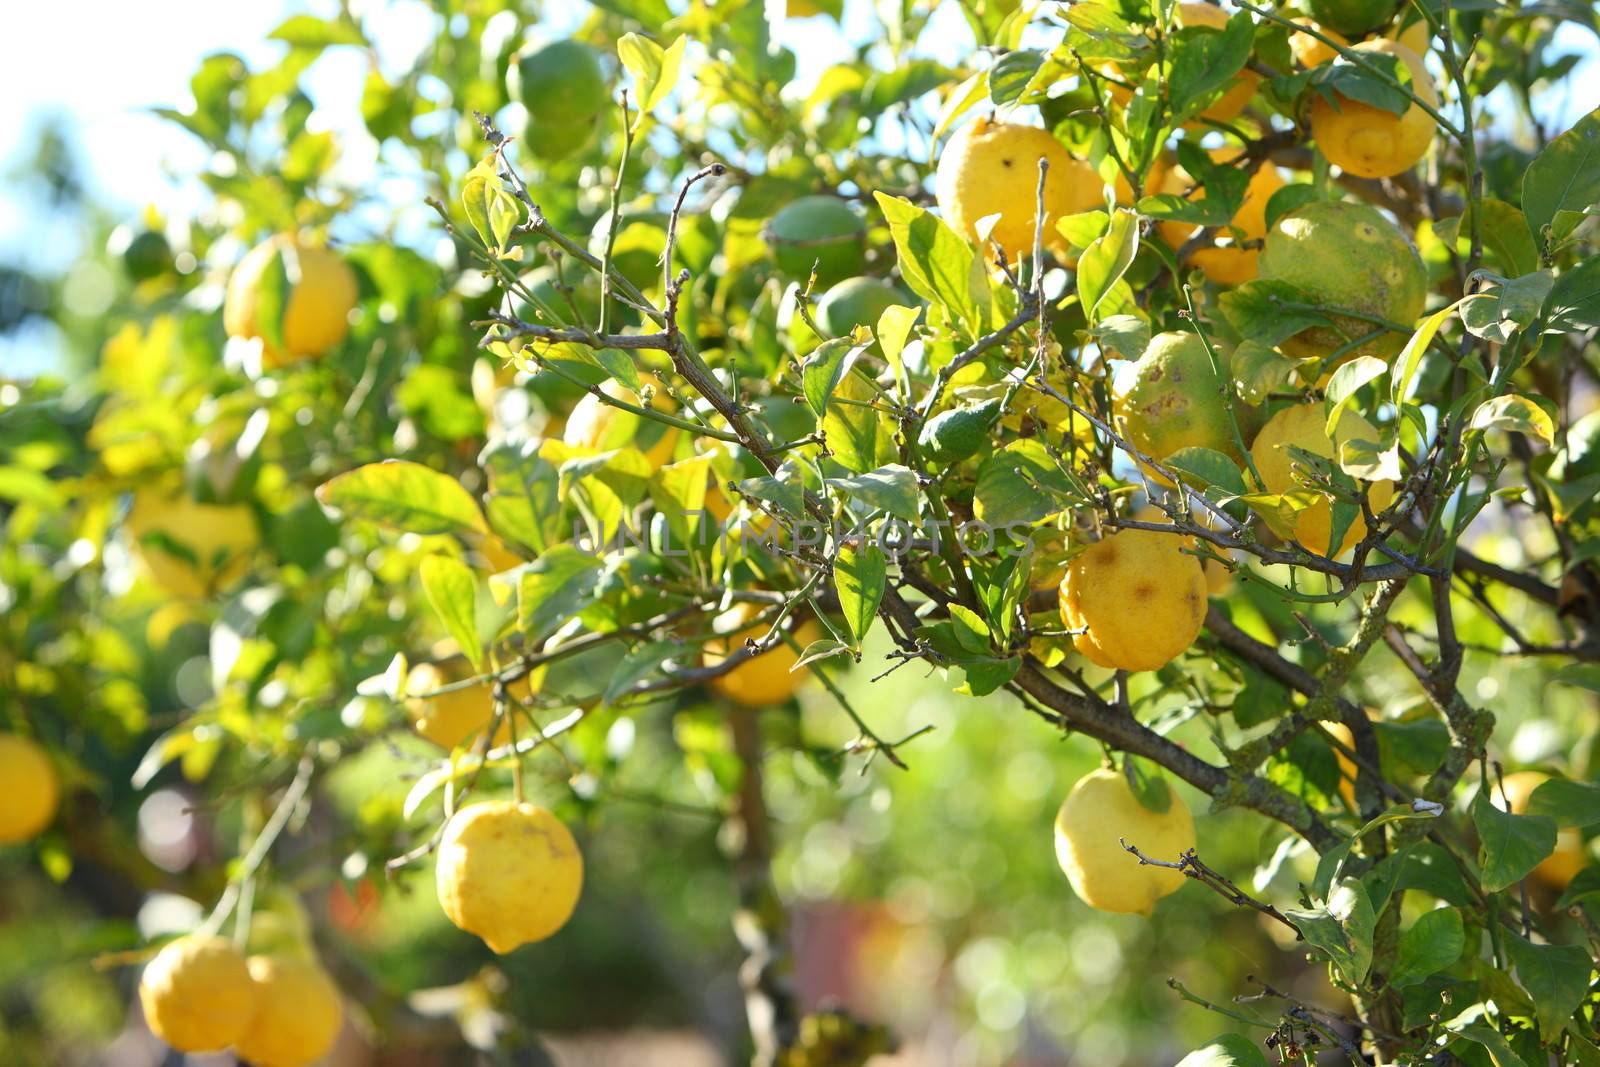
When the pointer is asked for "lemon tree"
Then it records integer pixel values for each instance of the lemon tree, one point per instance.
(544, 540)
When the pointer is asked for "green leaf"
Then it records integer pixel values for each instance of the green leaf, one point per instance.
(1500, 1051)
(639, 664)
(452, 592)
(679, 490)
(1011, 74)
(1574, 300)
(1563, 177)
(1205, 60)
(824, 368)
(1258, 370)
(1584, 884)
(1342, 78)
(1515, 414)
(1342, 928)
(893, 329)
(404, 496)
(1255, 311)
(1582, 675)
(1568, 802)
(970, 629)
(553, 588)
(272, 291)
(308, 31)
(1206, 467)
(1344, 384)
(1107, 260)
(493, 212)
(1434, 942)
(1505, 236)
(1410, 357)
(1510, 845)
(892, 488)
(858, 578)
(860, 437)
(1228, 1050)
(523, 502)
(1021, 483)
(1149, 787)
(1555, 976)
(936, 262)
(1122, 336)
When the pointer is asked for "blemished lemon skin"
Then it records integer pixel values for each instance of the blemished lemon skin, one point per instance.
(508, 872)
(603, 427)
(220, 537)
(1172, 398)
(1569, 857)
(316, 315)
(766, 679)
(197, 994)
(456, 717)
(1369, 141)
(991, 168)
(1097, 816)
(32, 789)
(1304, 426)
(297, 1016)
(1138, 599)
(1345, 255)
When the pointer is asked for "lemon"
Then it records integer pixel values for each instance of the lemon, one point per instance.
(1347, 766)
(596, 425)
(767, 679)
(820, 230)
(1415, 34)
(1098, 815)
(1311, 52)
(1227, 264)
(1353, 18)
(856, 302)
(456, 717)
(508, 872)
(192, 550)
(1137, 597)
(297, 1014)
(992, 168)
(1172, 398)
(316, 311)
(197, 995)
(32, 789)
(1569, 857)
(1344, 255)
(1369, 141)
(560, 83)
(1304, 426)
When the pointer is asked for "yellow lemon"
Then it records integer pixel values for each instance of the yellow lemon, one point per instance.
(1309, 51)
(992, 168)
(508, 872)
(192, 550)
(1219, 578)
(1304, 426)
(767, 679)
(1137, 597)
(197, 995)
(603, 427)
(456, 717)
(32, 789)
(316, 314)
(297, 1014)
(1347, 766)
(1570, 857)
(1415, 35)
(1369, 141)
(1227, 264)
(1098, 815)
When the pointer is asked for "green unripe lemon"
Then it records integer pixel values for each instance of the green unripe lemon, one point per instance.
(856, 302)
(641, 239)
(1353, 18)
(818, 229)
(1349, 256)
(958, 434)
(560, 83)
(1172, 398)
(147, 256)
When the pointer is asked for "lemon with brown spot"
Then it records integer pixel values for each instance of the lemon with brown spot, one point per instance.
(992, 168)
(196, 994)
(316, 310)
(1173, 398)
(1570, 856)
(190, 549)
(1135, 598)
(1304, 426)
(509, 872)
(1373, 142)
(32, 789)
(602, 427)
(1098, 815)
(297, 1015)
(763, 680)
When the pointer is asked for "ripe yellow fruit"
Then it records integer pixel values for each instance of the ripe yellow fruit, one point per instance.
(1137, 597)
(1098, 815)
(316, 315)
(297, 1014)
(603, 427)
(197, 995)
(509, 872)
(192, 550)
(457, 717)
(1227, 264)
(32, 789)
(1569, 857)
(1304, 426)
(1347, 766)
(767, 679)
(992, 168)
(1415, 35)
(1368, 141)
(1311, 52)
